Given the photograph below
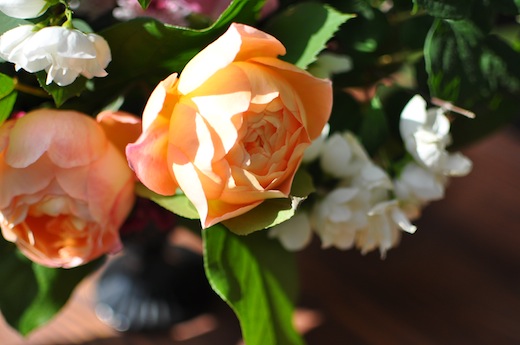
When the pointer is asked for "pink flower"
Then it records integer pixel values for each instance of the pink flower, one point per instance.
(175, 12)
(65, 188)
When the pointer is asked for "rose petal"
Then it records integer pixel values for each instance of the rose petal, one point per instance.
(219, 102)
(121, 128)
(148, 158)
(161, 101)
(106, 177)
(315, 94)
(13, 183)
(192, 187)
(238, 43)
(69, 138)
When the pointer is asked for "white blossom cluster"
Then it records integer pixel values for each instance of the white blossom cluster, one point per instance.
(367, 209)
(426, 134)
(62, 51)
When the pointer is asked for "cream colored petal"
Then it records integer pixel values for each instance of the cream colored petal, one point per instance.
(220, 103)
(161, 101)
(186, 176)
(239, 43)
(208, 61)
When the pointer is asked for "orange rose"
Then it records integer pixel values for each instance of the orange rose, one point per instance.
(231, 130)
(65, 188)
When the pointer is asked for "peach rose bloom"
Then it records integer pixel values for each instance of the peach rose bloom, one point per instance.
(65, 189)
(230, 132)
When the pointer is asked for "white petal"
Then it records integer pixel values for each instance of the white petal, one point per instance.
(313, 151)
(342, 195)
(294, 234)
(417, 183)
(335, 156)
(458, 165)
(96, 67)
(12, 41)
(400, 218)
(65, 54)
(372, 176)
(22, 8)
(413, 116)
(438, 123)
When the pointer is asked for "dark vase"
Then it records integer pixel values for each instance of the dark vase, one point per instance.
(153, 284)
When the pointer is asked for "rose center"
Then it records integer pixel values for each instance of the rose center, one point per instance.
(261, 134)
(57, 214)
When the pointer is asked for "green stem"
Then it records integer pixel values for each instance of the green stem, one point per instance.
(31, 90)
(400, 17)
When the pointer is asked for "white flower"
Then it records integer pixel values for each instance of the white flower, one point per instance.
(12, 43)
(328, 64)
(24, 9)
(349, 214)
(63, 53)
(385, 222)
(416, 187)
(342, 156)
(417, 184)
(371, 176)
(313, 151)
(426, 135)
(340, 215)
(294, 234)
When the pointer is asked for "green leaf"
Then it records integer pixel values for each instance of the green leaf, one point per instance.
(302, 184)
(144, 3)
(258, 279)
(491, 116)
(267, 214)
(82, 25)
(178, 204)
(8, 23)
(463, 63)
(367, 33)
(305, 29)
(61, 94)
(365, 39)
(32, 294)
(448, 9)
(8, 96)
(6, 85)
(145, 51)
(374, 128)
(6, 106)
(346, 112)
(511, 7)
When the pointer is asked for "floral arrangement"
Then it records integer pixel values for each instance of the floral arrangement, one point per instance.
(259, 124)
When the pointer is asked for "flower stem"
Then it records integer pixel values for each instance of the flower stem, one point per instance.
(31, 90)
